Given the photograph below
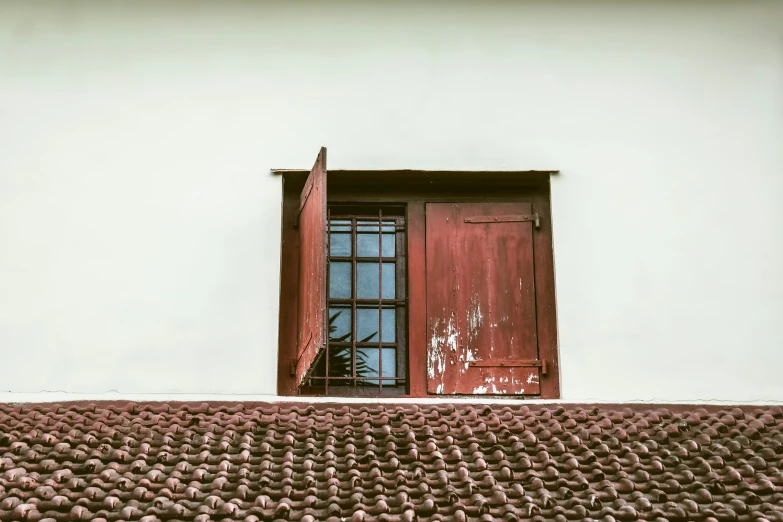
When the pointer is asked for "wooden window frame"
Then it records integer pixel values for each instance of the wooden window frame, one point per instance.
(414, 189)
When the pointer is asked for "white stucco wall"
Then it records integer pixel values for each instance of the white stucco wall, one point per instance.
(139, 221)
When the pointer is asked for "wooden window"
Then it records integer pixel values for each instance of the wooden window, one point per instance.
(472, 309)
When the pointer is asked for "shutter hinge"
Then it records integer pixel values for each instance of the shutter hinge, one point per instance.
(292, 368)
(534, 218)
(512, 363)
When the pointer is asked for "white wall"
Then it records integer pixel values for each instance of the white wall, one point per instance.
(139, 222)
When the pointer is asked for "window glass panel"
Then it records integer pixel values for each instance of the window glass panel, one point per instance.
(340, 279)
(389, 325)
(340, 361)
(340, 225)
(339, 244)
(389, 362)
(340, 323)
(389, 290)
(367, 245)
(371, 366)
(371, 225)
(388, 245)
(367, 325)
(367, 226)
(368, 282)
(369, 358)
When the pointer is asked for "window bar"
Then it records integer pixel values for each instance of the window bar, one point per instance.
(368, 301)
(371, 259)
(354, 330)
(328, 286)
(380, 299)
(400, 313)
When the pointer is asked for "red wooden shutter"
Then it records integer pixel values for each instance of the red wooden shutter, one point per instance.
(312, 331)
(481, 304)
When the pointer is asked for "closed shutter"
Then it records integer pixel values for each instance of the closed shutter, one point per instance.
(481, 302)
(312, 322)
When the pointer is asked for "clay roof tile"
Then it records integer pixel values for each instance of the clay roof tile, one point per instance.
(155, 461)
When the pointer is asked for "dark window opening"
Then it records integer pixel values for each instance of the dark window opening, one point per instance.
(366, 303)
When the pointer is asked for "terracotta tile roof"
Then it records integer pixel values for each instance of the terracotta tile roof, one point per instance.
(164, 461)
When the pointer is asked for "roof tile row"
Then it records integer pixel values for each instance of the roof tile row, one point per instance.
(180, 461)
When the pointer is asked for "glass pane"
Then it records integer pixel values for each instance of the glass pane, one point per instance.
(340, 225)
(339, 244)
(340, 279)
(367, 362)
(389, 325)
(388, 245)
(389, 363)
(340, 362)
(367, 325)
(367, 238)
(389, 289)
(367, 226)
(371, 225)
(367, 365)
(368, 282)
(367, 245)
(340, 323)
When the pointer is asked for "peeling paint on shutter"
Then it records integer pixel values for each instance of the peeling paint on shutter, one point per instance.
(481, 303)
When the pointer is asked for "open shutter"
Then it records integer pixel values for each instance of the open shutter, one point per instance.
(312, 331)
(481, 304)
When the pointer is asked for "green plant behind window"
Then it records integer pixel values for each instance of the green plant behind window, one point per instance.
(340, 357)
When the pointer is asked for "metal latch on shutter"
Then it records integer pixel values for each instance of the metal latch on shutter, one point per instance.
(506, 219)
(512, 363)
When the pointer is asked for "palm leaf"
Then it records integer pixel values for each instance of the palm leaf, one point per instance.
(340, 360)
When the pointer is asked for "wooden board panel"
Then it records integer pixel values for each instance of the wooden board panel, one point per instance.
(417, 302)
(289, 285)
(312, 322)
(481, 303)
(546, 308)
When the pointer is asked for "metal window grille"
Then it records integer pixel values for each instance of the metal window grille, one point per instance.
(366, 353)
